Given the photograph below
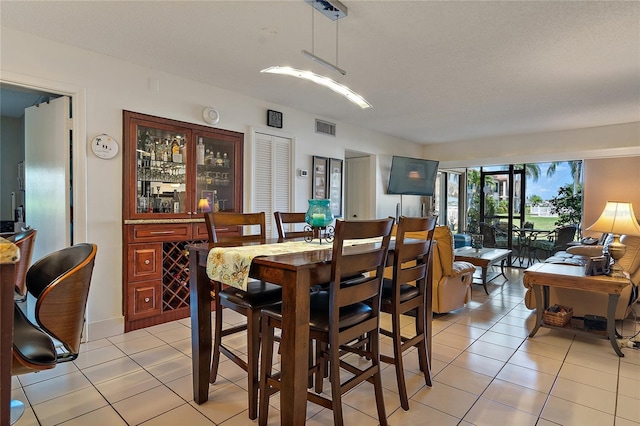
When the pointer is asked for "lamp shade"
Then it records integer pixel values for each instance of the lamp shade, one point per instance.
(617, 218)
(203, 205)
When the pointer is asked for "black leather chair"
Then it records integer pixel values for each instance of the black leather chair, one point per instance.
(59, 283)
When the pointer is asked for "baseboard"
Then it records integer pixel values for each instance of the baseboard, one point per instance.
(106, 328)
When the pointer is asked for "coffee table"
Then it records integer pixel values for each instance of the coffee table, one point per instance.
(484, 258)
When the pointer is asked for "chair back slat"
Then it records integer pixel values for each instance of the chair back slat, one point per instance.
(412, 253)
(348, 261)
(220, 224)
(285, 224)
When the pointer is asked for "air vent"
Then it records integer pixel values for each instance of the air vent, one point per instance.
(325, 127)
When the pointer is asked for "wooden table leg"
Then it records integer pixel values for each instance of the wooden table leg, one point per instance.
(611, 322)
(502, 268)
(484, 278)
(200, 301)
(537, 292)
(294, 348)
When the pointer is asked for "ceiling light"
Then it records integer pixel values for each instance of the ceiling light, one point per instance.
(322, 81)
(323, 62)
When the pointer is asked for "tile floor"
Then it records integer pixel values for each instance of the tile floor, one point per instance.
(486, 372)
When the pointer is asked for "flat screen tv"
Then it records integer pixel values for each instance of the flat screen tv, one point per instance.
(412, 176)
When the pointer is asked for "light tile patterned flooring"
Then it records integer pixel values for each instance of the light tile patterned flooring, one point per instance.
(486, 372)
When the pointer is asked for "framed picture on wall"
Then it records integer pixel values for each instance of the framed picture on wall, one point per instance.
(327, 182)
(319, 181)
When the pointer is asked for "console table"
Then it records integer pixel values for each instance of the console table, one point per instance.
(541, 276)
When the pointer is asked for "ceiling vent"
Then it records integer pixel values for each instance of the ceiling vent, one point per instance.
(325, 128)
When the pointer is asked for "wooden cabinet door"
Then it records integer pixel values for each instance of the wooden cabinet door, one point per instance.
(144, 261)
(144, 299)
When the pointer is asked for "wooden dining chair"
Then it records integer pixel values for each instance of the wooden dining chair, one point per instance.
(337, 317)
(284, 223)
(247, 302)
(25, 241)
(406, 292)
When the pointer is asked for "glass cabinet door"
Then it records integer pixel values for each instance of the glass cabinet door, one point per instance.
(161, 172)
(216, 173)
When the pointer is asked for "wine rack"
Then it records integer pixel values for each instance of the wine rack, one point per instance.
(175, 275)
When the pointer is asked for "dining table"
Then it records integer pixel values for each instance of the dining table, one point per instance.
(296, 272)
(526, 236)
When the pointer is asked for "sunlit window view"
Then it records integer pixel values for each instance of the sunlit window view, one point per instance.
(530, 209)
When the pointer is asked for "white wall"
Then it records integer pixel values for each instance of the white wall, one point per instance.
(108, 86)
(609, 179)
(11, 151)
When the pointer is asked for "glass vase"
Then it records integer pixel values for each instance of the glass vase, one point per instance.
(319, 214)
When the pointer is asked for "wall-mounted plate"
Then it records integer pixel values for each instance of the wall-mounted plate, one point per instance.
(104, 146)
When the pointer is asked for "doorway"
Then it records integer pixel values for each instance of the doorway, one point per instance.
(23, 89)
(497, 204)
(359, 201)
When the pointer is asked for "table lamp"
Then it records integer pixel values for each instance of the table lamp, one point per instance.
(617, 218)
(203, 205)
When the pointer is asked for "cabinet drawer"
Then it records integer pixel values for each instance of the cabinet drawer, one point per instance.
(163, 232)
(144, 299)
(200, 231)
(144, 261)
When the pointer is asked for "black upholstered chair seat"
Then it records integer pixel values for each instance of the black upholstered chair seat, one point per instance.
(257, 294)
(407, 291)
(319, 312)
(30, 343)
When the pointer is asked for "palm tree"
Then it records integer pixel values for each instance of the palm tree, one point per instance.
(576, 171)
(532, 171)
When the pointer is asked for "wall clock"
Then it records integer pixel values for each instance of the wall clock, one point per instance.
(274, 118)
(104, 146)
(211, 115)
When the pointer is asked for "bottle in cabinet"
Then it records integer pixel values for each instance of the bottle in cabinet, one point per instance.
(200, 153)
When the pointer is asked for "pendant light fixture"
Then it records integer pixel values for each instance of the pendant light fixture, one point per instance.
(334, 10)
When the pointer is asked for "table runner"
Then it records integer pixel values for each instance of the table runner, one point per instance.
(9, 252)
(230, 265)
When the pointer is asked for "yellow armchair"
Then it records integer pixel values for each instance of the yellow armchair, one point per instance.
(451, 280)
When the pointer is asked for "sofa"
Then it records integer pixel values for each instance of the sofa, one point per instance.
(593, 303)
(451, 280)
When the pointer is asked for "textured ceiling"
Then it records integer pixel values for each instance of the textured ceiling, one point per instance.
(435, 71)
